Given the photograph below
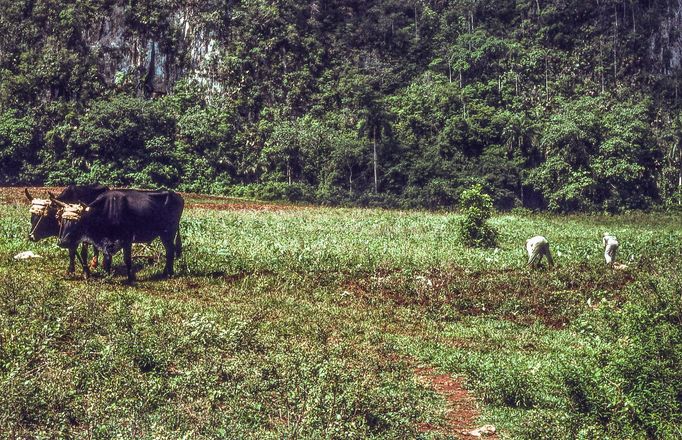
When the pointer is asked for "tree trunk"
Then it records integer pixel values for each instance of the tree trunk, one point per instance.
(546, 80)
(679, 176)
(376, 180)
(416, 24)
(615, 53)
(601, 63)
(634, 23)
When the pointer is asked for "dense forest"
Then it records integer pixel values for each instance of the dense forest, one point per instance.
(569, 105)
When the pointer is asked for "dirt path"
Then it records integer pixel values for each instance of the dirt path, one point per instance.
(222, 205)
(462, 409)
(12, 195)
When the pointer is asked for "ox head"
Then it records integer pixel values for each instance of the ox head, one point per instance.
(43, 218)
(70, 218)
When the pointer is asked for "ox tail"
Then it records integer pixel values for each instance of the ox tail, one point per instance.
(178, 244)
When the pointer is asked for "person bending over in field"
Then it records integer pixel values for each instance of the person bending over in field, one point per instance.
(610, 248)
(537, 248)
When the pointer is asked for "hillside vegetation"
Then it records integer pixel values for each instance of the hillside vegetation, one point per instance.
(568, 105)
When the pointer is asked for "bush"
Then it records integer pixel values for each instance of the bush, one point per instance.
(333, 195)
(437, 193)
(632, 384)
(477, 207)
(271, 191)
(16, 152)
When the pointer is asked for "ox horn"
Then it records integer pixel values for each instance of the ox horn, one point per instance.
(28, 194)
(54, 200)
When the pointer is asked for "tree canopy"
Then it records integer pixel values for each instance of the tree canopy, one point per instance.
(566, 105)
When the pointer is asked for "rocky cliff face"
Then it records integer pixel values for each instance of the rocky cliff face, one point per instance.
(665, 43)
(152, 61)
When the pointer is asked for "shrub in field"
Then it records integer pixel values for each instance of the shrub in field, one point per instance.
(632, 383)
(621, 380)
(511, 381)
(477, 208)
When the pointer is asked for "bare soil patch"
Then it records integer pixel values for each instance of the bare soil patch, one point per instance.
(14, 195)
(242, 206)
(553, 300)
(462, 407)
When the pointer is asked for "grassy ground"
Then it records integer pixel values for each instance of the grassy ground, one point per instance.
(308, 323)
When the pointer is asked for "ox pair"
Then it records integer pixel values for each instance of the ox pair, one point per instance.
(117, 219)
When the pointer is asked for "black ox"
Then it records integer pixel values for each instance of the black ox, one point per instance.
(117, 219)
(44, 221)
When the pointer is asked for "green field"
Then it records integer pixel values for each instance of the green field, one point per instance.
(310, 323)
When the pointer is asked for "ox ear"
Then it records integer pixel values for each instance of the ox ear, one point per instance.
(28, 195)
(55, 201)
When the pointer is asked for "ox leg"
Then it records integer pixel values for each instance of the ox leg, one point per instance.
(84, 261)
(178, 244)
(128, 259)
(170, 254)
(95, 258)
(72, 260)
(107, 263)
